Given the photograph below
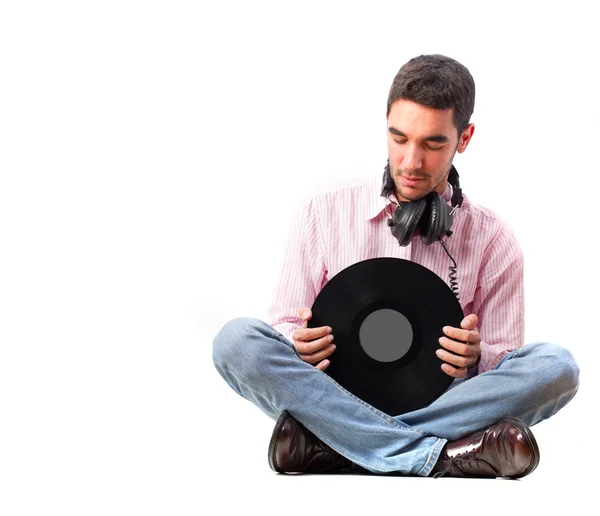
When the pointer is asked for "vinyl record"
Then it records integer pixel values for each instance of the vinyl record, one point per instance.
(387, 316)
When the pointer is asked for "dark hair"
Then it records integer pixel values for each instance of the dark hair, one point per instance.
(439, 82)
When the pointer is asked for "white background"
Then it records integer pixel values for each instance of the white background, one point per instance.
(151, 156)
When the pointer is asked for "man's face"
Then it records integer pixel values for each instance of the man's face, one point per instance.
(422, 142)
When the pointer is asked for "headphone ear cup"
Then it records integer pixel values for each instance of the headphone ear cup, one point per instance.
(436, 221)
(407, 220)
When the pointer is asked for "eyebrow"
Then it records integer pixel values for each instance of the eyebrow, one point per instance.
(439, 138)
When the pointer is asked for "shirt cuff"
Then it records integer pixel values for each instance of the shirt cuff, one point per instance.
(490, 357)
(286, 329)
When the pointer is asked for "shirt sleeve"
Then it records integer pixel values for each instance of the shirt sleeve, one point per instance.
(499, 300)
(302, 274)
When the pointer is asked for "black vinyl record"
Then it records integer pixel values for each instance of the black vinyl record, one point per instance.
(387, 316)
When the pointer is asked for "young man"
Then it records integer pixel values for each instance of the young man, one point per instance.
(480, 426)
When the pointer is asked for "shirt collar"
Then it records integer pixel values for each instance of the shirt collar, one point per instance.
(375, 204)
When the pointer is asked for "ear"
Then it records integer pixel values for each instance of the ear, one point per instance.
(465, 138)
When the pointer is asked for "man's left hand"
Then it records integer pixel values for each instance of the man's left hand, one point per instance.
(464, 341)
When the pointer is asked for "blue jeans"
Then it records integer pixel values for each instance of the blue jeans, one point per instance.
(531, 383)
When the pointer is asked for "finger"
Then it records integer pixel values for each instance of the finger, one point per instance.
(460, 335)
(314, 358)
(451, 358)
(453, 371)
(309, 334)
(321, 366)
(460, 348)
(313, 346)
(469, 322)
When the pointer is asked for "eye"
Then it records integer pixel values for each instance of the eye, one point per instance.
(433, 148)
(399, 142)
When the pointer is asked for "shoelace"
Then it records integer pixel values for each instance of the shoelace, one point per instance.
(454, 464)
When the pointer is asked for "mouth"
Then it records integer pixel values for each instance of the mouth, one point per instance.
(412, 181)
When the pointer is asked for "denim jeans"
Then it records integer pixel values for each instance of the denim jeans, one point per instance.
(531, 383)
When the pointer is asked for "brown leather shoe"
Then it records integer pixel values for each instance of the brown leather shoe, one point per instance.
(506, 449)
(294, 449)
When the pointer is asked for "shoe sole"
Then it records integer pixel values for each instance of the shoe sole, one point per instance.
(272, 455)
(530, 439)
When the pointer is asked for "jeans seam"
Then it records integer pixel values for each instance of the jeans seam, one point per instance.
(429, 459)
(377, 412)
(286, 342)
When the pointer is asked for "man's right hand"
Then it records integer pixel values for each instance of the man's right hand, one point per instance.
(313, 344)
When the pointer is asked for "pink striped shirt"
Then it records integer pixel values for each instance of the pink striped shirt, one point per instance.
(348, 224)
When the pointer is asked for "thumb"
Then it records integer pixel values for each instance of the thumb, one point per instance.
(305, 314)
(469, 322)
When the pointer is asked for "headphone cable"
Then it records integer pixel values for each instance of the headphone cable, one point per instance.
(452, 275)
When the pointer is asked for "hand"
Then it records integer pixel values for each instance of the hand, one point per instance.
(313, 344)
(465, 342)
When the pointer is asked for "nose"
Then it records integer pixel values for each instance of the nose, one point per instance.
(412, 159)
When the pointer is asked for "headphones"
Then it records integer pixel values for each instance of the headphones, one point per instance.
(430, 216)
